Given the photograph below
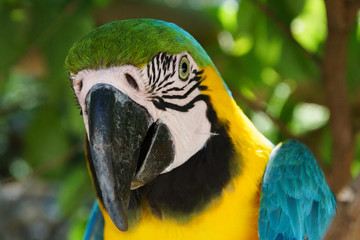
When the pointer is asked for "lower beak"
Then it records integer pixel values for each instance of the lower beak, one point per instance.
(128, 149)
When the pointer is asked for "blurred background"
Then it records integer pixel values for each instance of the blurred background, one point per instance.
(292, 65)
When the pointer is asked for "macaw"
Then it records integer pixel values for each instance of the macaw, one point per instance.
(172, 156)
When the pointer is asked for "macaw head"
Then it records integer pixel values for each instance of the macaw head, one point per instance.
(145, 88)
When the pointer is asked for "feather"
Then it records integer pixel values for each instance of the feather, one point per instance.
(299, 203)
(95, 226)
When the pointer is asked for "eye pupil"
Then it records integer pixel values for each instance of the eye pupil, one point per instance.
(184, 67)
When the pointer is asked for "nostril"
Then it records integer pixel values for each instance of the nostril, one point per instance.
(131, 81)
(80, 85)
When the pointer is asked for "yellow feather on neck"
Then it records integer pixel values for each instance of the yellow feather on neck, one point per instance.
(232, 216)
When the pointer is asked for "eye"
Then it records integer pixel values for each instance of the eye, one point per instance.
(184, 68)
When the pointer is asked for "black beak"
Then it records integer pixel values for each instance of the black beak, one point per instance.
(128, 149)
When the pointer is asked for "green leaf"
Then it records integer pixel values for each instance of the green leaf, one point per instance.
(309, 28)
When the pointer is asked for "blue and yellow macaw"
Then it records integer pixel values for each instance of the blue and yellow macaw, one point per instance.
(172, 156)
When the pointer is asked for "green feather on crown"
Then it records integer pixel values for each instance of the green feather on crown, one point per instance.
(133, 42)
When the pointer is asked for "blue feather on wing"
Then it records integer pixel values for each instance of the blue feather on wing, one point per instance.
(296, 201)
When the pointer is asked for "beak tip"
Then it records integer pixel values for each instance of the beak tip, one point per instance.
(118, 213)
(120, 220)
(122, 225)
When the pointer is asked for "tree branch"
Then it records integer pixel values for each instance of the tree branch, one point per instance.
(256, 106)
(352, 9)
(346, 224)
(9, 110)
(45, 167)
(51, 164)
(335, 85)
(285, 29)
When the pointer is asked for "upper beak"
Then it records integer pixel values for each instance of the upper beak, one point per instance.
(128, 149)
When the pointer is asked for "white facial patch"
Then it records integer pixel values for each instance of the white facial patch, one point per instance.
(163, 93)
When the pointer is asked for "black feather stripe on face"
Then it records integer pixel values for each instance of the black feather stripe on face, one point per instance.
(161, 71)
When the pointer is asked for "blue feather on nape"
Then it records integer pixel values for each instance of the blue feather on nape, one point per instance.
(296, 201)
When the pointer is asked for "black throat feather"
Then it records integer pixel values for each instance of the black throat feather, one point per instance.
(186, 190)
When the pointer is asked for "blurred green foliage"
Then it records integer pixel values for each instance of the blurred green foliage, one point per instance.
(270, 62)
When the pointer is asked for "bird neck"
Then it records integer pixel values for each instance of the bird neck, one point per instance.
(251, 147)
